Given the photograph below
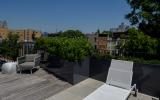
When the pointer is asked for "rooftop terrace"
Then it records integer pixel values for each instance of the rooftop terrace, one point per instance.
(83, 89)
(42, 85)
(37, 86)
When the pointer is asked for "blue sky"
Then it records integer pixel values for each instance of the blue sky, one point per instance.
(52, 15)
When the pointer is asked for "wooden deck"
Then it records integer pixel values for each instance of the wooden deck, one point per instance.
(37, 86)
(42, 85)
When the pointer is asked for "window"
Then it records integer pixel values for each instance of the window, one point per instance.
(95, 39)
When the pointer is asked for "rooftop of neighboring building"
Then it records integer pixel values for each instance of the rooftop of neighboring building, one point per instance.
(121, 28)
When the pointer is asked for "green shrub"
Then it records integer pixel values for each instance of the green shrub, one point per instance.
(71, 49)
(71, 34)
(10, 46)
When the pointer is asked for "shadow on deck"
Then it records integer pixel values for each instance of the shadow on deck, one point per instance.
(37, 86)
(84, 88)
(43, 85)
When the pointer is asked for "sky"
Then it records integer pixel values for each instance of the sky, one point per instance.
(56, 15)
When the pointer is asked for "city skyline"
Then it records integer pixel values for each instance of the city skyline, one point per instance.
(52, 16)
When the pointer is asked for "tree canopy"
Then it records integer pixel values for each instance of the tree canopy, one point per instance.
(71, 49)
(138, 44)
(70, 45)
(10, 46)
(72, 34)
(145, 14)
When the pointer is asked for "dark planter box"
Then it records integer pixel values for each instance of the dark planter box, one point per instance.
(72, 72)
(99, 68)
(147, 78)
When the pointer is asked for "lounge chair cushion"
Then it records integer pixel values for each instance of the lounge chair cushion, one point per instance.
(27, 65)
(107, 92)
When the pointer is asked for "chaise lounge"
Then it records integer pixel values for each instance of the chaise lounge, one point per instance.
(118, 84)
(28, 62)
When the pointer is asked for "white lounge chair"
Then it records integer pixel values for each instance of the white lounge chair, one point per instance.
(118, 84)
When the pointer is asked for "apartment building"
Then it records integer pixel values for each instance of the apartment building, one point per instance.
(3, 33)
(119, 35)
(26, 37)
(99, 42)
(24, 34)
(3, 30)
(116, 39)
(106, 43)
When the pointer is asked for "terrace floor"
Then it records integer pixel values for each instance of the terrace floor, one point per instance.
(42, 85)
(37, 86)
(84, 88)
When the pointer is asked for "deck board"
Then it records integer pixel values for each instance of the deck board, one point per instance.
(37, 86)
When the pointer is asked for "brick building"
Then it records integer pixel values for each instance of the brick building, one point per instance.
(26, 37)
(3, 33)
(99, 42)
(24, 34)
(106, 43)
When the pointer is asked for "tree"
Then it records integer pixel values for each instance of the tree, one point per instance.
(139, 44)
(72, 49)
(72, 34)
(4, 48)
(39, 44)
(145, 14)
(10, 46)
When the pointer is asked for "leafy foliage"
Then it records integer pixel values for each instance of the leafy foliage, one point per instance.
(10, 46)
(70, 45)
(145, 13)
(40, 44)
(72, 34)
(139, 44)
